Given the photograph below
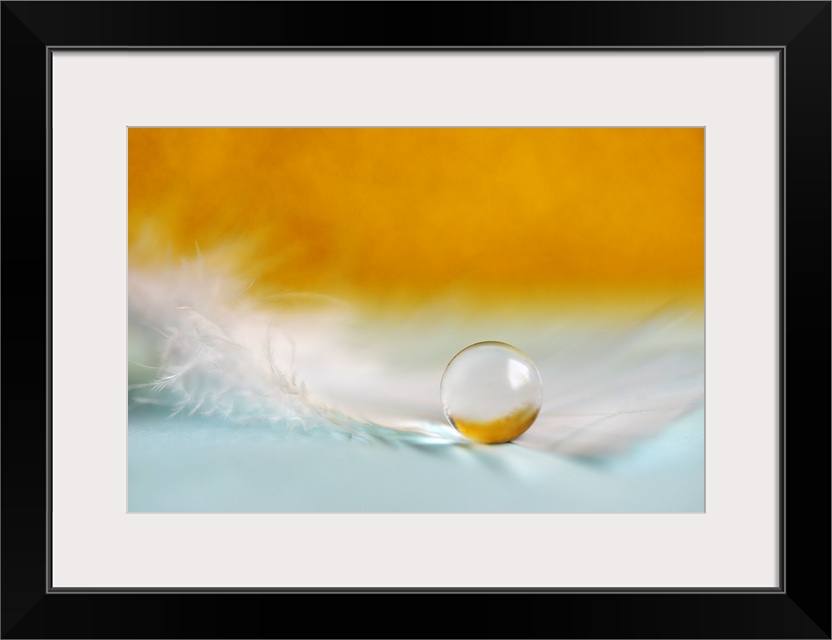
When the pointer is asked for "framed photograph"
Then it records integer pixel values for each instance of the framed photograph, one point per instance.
(504, 310)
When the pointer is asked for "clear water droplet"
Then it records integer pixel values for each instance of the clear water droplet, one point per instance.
(491, 392)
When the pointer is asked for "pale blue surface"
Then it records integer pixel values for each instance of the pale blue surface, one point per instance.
(207, 465)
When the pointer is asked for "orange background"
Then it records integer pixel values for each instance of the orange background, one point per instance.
(428, 212)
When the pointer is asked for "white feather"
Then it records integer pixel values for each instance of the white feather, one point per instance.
(216, 352)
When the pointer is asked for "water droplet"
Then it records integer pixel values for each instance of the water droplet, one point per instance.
(491, 392)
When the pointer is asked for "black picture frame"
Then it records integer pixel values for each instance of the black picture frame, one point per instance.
(799, 608)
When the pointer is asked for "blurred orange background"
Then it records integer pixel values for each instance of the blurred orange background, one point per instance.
(496, 213)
